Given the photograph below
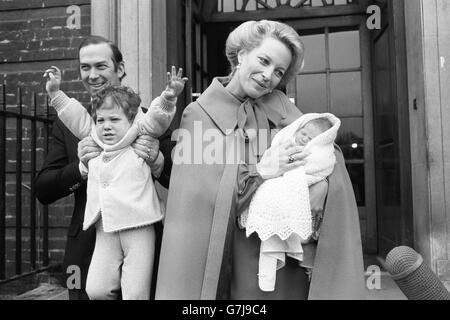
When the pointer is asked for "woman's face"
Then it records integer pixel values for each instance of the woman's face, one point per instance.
(262, 68)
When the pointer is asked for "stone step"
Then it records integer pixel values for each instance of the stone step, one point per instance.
(46, 291)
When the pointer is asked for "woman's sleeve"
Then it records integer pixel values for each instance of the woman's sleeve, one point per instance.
(248, 181)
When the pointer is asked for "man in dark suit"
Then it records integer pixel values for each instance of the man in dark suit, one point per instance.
(64, 169)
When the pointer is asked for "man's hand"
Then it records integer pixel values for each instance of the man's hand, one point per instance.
(175, 83)
(87, 150)
(53, 84)
(147, 148)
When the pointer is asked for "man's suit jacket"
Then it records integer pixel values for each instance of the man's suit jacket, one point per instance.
(60, 176)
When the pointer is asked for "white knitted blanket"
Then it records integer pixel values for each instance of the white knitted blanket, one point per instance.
(281, 205)
(279, 211)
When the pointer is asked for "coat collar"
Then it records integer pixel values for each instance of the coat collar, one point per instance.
(223, 107)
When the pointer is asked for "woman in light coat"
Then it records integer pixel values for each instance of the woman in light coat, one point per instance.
(222, 157)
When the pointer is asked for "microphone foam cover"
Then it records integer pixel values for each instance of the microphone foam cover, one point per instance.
(416, 280)
(401, 259)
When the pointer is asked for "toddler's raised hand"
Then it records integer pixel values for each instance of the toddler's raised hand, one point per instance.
(175, 83)
(53, 76)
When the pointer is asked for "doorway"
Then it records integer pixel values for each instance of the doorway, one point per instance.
(340, 76)
(337, 79)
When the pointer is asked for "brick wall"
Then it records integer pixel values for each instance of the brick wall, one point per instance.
(34, 35)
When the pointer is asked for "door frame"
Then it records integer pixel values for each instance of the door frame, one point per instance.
(314, 18)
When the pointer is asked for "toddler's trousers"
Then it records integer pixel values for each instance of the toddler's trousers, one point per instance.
(122, 260)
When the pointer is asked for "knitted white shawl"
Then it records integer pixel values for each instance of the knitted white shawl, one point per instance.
(281, 205)
(279, 211)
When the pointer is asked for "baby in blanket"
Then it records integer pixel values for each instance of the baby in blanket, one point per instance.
(280, 210)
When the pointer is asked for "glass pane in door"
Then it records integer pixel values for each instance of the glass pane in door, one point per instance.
(346, 94)
(344, 49)
(351, 138)
(311, 93)
(314, 52)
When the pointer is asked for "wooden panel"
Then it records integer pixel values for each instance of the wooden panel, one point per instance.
(443, 12)
(208, 8)
(176, 48)
(188, 44)
(145, 53)
(369, 170)
(386, 157)
(324, 22)
(435, 134)
(128, 40)
(393, 160)
(159, 47)
(401, 91)
(104, 19)
(418, 134)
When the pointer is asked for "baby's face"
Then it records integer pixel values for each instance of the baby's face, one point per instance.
(306, 134)
(112, 124)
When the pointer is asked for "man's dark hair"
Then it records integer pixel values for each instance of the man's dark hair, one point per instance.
(116, 54)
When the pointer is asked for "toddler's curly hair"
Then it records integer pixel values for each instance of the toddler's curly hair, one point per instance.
(123, 97)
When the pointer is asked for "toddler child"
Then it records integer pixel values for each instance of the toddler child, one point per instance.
(121, 198)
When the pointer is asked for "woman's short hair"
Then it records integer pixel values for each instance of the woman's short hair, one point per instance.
(117, 56)
(249, 35)
(122, 96)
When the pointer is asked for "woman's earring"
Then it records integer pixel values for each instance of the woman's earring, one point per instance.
(238, 66)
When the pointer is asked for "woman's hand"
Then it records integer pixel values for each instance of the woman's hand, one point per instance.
(279, 159)
(87, 150)
(147, 148)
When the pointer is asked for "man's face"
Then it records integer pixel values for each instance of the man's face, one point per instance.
(97, 67)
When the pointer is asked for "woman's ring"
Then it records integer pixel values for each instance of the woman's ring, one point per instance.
(291, 159)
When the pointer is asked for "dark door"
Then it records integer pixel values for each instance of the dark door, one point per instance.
(392, 150)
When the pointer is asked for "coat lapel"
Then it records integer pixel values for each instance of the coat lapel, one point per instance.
(222, 106)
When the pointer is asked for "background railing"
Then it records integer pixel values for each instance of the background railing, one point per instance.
(24, 227)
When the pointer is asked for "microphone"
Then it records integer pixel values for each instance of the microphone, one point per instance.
(416, 280)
